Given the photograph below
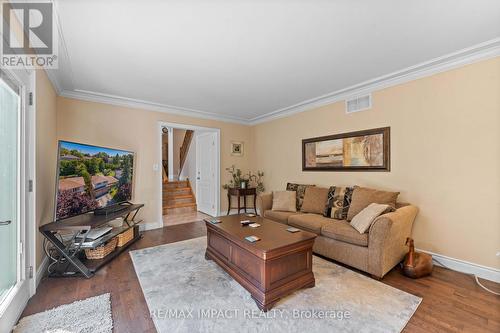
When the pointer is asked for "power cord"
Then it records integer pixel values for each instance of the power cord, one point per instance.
(474, 275)
(52, 254)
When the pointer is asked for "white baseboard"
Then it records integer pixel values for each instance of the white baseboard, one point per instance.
(41, 270)
(484, 272)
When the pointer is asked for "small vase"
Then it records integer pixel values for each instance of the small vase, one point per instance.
(243, 185)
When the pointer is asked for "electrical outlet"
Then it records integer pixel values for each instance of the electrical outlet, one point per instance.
(498, 254)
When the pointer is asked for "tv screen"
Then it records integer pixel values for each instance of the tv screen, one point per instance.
(91, 177)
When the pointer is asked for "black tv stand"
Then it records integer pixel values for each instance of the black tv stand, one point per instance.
(113, 209)
(71, 260)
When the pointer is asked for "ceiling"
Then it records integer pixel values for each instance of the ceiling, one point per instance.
(244, 61)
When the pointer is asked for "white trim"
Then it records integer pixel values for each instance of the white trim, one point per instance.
(479, 52)
(482, 51)
(13, 305)
(31, 174)
(147, 105)
(161, 124)
(41, 270)
(54, 79)
(484, 272)
(170, 152)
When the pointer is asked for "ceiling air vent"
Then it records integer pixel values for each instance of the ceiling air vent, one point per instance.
(359, 103)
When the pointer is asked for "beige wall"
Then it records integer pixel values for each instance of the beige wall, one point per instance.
(137, 130)
(445, 147)
(46, 154)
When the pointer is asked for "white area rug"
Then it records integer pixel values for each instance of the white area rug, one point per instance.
(91, 315)
(186, 293)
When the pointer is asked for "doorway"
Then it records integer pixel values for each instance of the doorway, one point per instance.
(190, 173)
(17, 226)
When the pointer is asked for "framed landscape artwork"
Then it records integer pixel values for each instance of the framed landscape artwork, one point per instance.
(367, 150)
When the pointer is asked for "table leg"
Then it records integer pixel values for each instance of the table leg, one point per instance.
(72, 259)
(238, 203)
(255, 203)
(228, 202)
(245, 203)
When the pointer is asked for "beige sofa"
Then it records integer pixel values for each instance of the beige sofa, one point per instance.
(375, 252)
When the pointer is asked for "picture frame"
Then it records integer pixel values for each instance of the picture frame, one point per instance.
(367, 150)
(236, 148)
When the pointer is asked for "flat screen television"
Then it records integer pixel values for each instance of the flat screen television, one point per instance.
(91, 177)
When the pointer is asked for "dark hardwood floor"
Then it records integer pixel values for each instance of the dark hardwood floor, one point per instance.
(451, 301)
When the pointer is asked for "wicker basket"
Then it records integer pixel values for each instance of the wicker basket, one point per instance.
(125, 237)
(101, 251)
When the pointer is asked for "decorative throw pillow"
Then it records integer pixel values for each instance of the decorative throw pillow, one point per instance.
(364, 219)
(338, 202)
(314, 200)
(284, 201)
(362, 197)
(300, 189)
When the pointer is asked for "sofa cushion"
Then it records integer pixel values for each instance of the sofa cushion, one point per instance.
(362, 197)
(284, 201)
(341, 230)
(309, 222)
(314, 200)
(278, 216)
(365, 218)
(338, 202)
(300, 189)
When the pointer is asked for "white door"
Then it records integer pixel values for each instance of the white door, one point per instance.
(206, 184)
(15, 198)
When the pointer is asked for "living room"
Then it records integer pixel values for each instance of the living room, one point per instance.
(341, 138)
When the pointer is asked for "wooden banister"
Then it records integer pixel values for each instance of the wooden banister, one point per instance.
(188, 137)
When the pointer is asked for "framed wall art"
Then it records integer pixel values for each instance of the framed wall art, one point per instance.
(237, 148)
(367, 150)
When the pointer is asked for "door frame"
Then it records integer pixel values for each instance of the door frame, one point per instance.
(161, 125)
(18, 297)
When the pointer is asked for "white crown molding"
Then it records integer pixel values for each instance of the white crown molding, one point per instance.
(463, 266)
(479, 52)
(482, 51)
(146, 105)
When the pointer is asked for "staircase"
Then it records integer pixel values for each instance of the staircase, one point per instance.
(178, 197)
(188, 137)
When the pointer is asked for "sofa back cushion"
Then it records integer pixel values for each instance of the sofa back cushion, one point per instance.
(284, 201)
(338, 202)
(300, 189)
(363, 196)
(314, 200)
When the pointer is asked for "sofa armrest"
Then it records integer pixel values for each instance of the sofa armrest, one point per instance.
(387, 238)
(264, 202)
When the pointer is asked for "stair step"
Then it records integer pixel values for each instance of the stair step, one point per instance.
(179, 205)
(171, 196)
(179, 210)
(176, 189)
(175, 184)
(170, 202)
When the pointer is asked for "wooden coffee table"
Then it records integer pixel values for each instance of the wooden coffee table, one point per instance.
(278, 264)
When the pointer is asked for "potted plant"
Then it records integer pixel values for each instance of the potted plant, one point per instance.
(240, 180)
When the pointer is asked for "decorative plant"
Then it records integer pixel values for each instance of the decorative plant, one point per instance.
(237, 177)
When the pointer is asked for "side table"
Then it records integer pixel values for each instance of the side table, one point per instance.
(241, 192)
